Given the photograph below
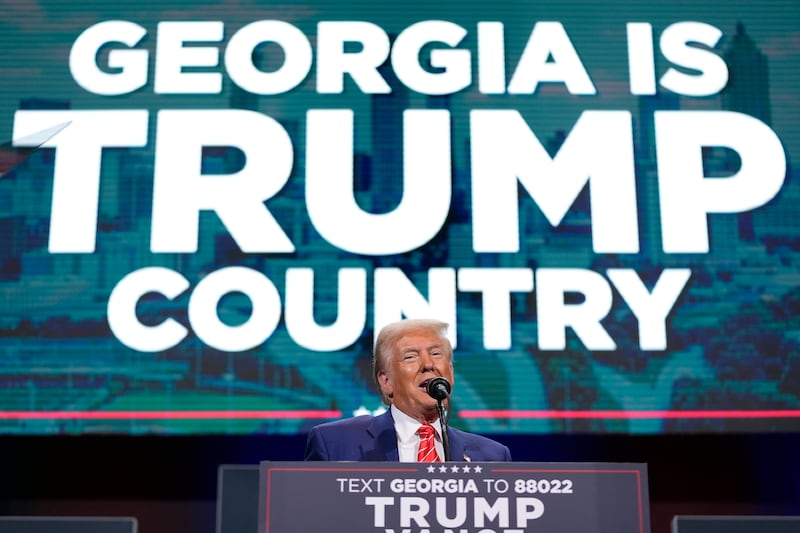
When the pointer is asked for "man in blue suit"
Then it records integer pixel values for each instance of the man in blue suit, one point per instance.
(408, 354)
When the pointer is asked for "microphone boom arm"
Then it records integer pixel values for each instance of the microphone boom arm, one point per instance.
(439, 389)
(443, 421)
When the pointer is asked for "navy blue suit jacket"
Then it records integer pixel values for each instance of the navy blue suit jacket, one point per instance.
(373, 438)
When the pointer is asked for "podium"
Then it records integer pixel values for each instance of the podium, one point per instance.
(453, 497)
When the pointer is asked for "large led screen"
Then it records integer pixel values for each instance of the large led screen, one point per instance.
(207, 209)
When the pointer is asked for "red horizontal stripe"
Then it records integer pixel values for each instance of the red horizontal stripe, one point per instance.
(330, 414)
(165, 415)
(608, 414)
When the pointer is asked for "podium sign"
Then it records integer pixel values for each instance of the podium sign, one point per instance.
(453, 497)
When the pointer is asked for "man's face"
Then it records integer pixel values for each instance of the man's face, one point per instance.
(417, 357)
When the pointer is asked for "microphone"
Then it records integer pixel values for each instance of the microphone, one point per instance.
(438, 388)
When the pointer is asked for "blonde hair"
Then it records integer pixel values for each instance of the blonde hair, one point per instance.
(391, 333)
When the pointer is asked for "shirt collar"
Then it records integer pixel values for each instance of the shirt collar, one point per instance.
(406, 427)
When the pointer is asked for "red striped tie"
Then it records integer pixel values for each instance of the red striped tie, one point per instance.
(427, 449)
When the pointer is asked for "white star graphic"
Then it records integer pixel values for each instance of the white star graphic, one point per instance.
(361, 411)
(454, 469)
(477, 469)
(465, 469)
(431, 469)
(442, 469)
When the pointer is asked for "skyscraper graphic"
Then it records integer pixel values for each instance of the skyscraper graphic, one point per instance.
(748, 81)
(135, 189)
(387, 142)
(647, 189)
(648, 105)
(747, 92)
(240, 98)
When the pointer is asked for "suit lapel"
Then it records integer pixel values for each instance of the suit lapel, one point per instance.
(383, 445)
(458, 451)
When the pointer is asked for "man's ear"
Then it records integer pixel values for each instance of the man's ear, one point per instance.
(385, 384)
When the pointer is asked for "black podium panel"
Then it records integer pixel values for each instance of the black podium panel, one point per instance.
(67, 524)
(736, 524)
(364, 497)
(237, 499)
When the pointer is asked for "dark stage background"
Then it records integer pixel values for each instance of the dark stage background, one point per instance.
(169, 484)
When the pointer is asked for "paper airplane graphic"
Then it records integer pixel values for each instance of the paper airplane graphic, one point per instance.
(11, 155)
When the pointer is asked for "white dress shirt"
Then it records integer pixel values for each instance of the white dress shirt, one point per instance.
(407, 439)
